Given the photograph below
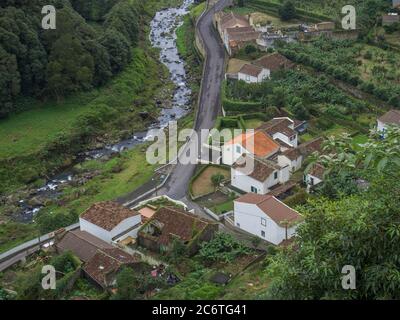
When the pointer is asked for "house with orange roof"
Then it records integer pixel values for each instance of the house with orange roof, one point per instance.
(256, 143)
(265, 217)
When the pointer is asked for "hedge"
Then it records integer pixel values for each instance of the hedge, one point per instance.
(238, 106)
(273, 8)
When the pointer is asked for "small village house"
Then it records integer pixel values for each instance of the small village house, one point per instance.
(314, 177)
(281, 130)
(389, 19)
(294, 157)
(325, 26)
(170, 223)
(81, 243)
(257, 144)
(102, 260)
(262, 176)
(103, 267)
(265, 217)
(274, 62)
(110, 221)
(239, 37)
(224, 20)
(253, 74)
(390, 118)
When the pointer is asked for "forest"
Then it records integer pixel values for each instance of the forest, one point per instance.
(91, 43)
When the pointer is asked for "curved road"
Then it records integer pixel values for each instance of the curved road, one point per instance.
(209, 103)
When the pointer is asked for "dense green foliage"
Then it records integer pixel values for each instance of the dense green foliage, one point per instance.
(298, 91)
(75, 56)
(29, 285)
(361, 229)
(373, 71)
(222, 248)
(287, 11)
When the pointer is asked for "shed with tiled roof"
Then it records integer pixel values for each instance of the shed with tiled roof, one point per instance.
(110, 221)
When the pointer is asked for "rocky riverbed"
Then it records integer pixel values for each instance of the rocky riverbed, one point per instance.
(24, 205)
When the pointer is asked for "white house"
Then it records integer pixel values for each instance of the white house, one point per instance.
(110, 221)
(262, 176)
(253, 74)
(257, 144)
(295, 157)
(391, 117)
(281, 128)
(266, 217)
(314, 176)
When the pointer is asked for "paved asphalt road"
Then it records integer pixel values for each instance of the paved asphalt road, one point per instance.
(209, 104)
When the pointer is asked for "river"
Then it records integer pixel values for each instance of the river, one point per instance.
(163, 37)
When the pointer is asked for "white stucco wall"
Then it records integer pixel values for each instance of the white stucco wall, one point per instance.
(308, 181)
(108, 235)
(264, 74)
(294, 165)
(230, 154)
(245, 182)
(249, 218)
(286, 139)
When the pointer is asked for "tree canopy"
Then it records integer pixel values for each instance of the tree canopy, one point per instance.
(92, 41)
(361, 229)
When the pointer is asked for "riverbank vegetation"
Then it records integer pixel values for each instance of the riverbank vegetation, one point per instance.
(46, 136)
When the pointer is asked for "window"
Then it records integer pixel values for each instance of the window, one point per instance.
(238, 224)
(253, 189)
(263, 234)
(292, 138)
(276, 175)
(311, 181)
(263, 222)
(238, 149)
(247, 78)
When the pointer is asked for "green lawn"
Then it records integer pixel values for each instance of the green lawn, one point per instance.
(118, 177)
(223, 207)
(196, 11)
(29, 131)
(253, 123)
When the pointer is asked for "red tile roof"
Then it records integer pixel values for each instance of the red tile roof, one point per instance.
(274, 61)
(258, 143)
(242, 34)
(83, 244)
(106, 263)
(228, 20)
(305, 149)
(272, 207)
(391, 117)
(317, 170)
(251, 70)
(261, 171)
(278, 125)
(177, 222)
(108, 214)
